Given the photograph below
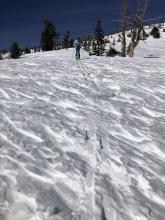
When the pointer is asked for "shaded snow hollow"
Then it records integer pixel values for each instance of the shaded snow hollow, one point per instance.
(83, 140)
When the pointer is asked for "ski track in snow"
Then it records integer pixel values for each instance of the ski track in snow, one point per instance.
(82, 140)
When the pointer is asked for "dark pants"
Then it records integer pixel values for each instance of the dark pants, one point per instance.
(78, 52)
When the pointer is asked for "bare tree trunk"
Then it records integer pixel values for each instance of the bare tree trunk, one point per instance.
(131, 48)
(135, 38)
(137, 24)
(123, 42)
(123, 27)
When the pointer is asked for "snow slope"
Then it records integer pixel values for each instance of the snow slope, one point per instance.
(83, 140)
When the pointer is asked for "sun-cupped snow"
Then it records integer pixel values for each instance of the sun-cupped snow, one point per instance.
(83, 140)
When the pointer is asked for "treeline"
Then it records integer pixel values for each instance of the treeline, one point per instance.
(49, 40)
(93, 43)
(130, 26)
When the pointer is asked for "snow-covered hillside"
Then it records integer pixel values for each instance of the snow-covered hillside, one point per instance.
(147, 46)
(83, 140)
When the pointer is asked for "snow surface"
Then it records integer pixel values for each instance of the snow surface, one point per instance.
(83, 140)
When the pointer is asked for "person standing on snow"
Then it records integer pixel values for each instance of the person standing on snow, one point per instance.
(77, 45)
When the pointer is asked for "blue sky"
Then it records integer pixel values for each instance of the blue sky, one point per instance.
(22, 20)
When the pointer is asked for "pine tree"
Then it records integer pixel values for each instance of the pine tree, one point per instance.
(71, 42)
(85, 45)
(155, 32)
(144, 35)
(27, 50)
(4, 51)
(114, 42)
(66, 40)
(15, 51)
(1, 56)
(35, 49)
(49, 36)
(98, 44)
(87, 42)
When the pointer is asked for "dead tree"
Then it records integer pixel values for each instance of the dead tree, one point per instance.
(123, 27)
(136, 22)
(133, 21)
